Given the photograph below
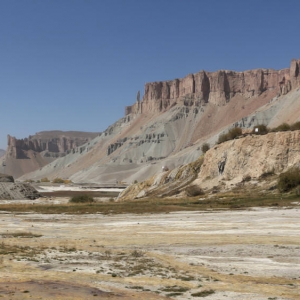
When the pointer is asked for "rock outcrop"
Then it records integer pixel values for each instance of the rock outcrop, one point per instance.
(215, 87)
(49, 141)
(6, 178)
(226, 165)
(252, 156)
(166, 183)
(11, 190)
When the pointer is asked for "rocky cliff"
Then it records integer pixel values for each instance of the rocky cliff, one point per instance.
(226, 166)
(172, 121)
(216, 87)
(36, 151)
(58, 142)
(250, 157)
(11, 190)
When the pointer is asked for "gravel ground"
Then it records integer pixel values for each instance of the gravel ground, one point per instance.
(251, 254)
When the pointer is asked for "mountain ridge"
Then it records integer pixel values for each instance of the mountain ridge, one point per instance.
(160, 131)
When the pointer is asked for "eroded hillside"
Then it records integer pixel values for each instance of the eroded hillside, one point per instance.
(227, 165)
(168, 126)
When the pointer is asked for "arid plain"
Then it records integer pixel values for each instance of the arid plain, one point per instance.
(231, 254)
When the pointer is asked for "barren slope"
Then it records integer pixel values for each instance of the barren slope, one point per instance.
(168, 127)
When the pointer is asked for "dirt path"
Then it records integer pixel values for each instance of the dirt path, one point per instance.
(252, 254)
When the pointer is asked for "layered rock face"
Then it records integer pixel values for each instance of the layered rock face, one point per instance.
(9, 190)
(226, 165)
(215, 87)
(50, 141)
(252, 156)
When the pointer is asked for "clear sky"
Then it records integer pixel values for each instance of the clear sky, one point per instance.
(76, 64)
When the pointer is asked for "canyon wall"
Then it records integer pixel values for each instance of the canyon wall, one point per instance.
(50, 141)
(215, 87)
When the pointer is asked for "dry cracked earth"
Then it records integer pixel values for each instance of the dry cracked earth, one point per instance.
(250, 254)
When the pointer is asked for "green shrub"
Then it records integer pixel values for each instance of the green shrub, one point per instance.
(45, 179)
(222, 138)
(282, 127)
(82, 199)
(203, 293)
(289, 180)
(230, 135)
(295, 126)
(205, 147)
(260, 129)
(58, 180)
(234, 132)
(67, 181)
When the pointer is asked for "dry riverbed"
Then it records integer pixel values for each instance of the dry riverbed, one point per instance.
(247, 254)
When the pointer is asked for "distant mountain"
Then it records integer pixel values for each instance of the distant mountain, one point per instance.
(2, 152)
(167, 128)
(32, 153)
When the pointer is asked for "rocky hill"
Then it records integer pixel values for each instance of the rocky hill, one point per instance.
(10, 190)
(2, 152)
(249, 159)
(32, 153)
(174, 118)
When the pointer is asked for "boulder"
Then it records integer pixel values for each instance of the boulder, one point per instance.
(6, 178)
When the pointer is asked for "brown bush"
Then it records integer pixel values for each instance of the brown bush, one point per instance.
(230, 135)
(205, 147)
(260, 129)
(282, 127)
(289, 180)
(194, 190)
(295, 126)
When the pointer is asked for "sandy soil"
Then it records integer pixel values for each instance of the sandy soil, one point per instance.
(253, 254)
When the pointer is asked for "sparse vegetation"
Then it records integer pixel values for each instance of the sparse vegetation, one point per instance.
(236, 199)
(203, 293)
(58, 180)
(260, 129)
(19, 235)
(295, 126)
(267, 174)
(82, 199)
(194, 190)
(137, 253)
(230, 135)
(29, 180)
(205, 147)
(45, 179)
(289, 180)
(282, 127)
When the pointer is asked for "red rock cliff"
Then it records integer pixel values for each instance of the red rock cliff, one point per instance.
(50, 141)
(215, 87)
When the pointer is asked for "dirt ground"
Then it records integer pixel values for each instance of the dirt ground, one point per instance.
(250, 254)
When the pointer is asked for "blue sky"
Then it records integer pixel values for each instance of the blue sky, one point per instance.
(75, 65)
